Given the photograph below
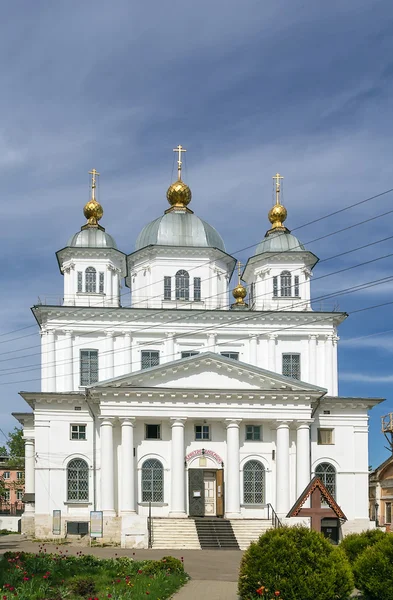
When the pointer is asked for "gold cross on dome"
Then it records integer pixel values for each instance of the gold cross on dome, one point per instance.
(179, 150)
(277, 178)
(93, 174)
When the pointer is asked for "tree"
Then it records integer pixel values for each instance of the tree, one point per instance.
(16, 449)
(3, 452)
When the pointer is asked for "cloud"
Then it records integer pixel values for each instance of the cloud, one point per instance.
(363, 378)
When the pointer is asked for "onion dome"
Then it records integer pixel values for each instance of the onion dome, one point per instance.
(239, 292)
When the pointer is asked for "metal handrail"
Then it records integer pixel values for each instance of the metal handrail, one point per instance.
(274, 517)
(149, 529)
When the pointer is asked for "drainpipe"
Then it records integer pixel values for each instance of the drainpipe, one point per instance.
(94, 451)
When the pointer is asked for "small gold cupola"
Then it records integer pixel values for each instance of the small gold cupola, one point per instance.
(93, 210)
(239, 292)
(179, 194)
(278, 213)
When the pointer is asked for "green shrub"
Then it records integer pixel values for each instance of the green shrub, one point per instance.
(167, 564)
(83, 586)
(299, 563)
(355, 543)
(373, 570)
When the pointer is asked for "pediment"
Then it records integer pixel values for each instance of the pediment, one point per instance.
(209, 371)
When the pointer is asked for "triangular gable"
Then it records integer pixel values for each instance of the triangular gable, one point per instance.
(315, 484)
(209, 370)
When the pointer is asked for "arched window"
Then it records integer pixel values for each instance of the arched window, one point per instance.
(78, 480)
(253, 482)
(285, 281)
(327, 474)
(90, 280)
(182, 285)
(152, 481)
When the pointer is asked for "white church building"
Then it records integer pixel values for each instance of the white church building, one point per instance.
(185, 404)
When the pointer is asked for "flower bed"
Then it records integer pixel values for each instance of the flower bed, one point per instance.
(60, 576)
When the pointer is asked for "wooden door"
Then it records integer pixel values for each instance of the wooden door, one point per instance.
(196, 493)
(220, 492)
(210, 493)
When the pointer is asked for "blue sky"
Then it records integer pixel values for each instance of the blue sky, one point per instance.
(249, 88)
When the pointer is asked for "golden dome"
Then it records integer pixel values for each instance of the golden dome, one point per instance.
(277, 216)
(239, 293)
(179, 194)
(93, 212)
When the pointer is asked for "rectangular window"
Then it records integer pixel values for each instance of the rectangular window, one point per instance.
(253, 432)
(152, 432)
(19, 474)
(197, 289)
(296, 290)
(88, 367)
(101, 283)
(252, 293)
(167, 288)
(291, 365)
(78, 432)
(149, 358)
(6, 475)
(79, 281)
(325, 437)
(232, 355)
(275, 287)
(19, 494)
(388, 512)
(188, 353)
(6, 495)
(202, 432)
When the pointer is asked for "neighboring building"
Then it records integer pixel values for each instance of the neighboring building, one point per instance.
(381, 494)
(183, 401)
(11, 502)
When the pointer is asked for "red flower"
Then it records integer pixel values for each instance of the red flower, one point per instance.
(25, 579)
(277, 593)
(260, 590)
(140, 571)
(4, 597)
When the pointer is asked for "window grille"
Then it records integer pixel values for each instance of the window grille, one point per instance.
(325, 437)
(296, 289)
(79, 281)
(253, 432)
(275, 286)
(90, 280)
(188, 353)
(327, 474)
(182, 285)
(149, 358)
(167, 288)
(232, 355)
(152, 481)
(253, 482)
(285, 281)
(78, 432)
(101, 283)
(197, 289)
(88, 367)
(202, 432)
(78, 480)
(291, 365)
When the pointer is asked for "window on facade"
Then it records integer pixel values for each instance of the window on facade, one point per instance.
(78, 480)
(252, 293)
(6, 475)
(285, 283)
(388, 512)
(253, 482)
(6, 495)
(78, 432)
(275, 286)
(325, 437)
(188, 353)
(253, 432)
(152, 481)
(197, 289)
(232, 355)
(149, 358)
(19, 494)
(296, 286)
(182, 285)
(202, 432)
(88, 367)
(152, 432)
(101, 283)
(80, 274)
(19, 474)
(167, 288)
(90, 280)
(327, 474)
(291, 365)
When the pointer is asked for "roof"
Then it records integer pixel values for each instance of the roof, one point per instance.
(314, 484)
(92, 237)
(280, 241)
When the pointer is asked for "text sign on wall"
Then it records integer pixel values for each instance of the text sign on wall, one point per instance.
(56, 522)
(96, 523)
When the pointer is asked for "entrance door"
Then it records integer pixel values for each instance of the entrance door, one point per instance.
(196, 493)
(220, 492)
(210, 493)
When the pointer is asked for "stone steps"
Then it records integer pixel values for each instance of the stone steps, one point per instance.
(216, 534)
(249, 530)
(176, 534)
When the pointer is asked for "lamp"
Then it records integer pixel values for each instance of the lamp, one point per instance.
(376, 505)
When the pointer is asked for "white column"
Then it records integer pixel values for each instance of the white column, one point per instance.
(329, 363)
(169, 347)
(282, 469)
(253, 349)
(127, 466)
(44, 368)
(51, 361)
(312, 353)
(211, 342)
(214, 289)
(29, 472)
(302, 457)
(271, 351)
(107, 473)
(232, 487)
(127, 352)
(109, 355)
(335, 366)
(178, 474)
(68, 362)
(108, 286)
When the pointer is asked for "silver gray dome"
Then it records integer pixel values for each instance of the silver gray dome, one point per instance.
(179, 228)
(280, 241)
(92, 237)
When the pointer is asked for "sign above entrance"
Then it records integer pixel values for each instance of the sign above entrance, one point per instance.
(203, 452)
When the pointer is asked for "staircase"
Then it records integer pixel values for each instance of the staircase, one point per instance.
(174, 534)
(216, 534)
(249, 530)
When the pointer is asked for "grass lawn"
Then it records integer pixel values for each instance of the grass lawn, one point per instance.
(43, 576)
